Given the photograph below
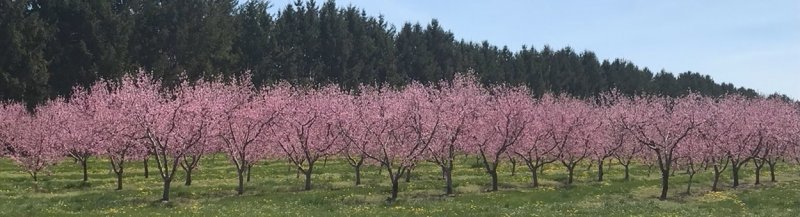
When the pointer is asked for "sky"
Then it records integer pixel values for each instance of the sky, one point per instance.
(755, 44)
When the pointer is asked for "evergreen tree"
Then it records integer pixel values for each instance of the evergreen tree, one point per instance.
(440, 46)
(665, 84)
(191, 39)
(488, 64)
(255, 45)
(23, 66)
(414, 59)
(51, 46)
(91, 42)
(336, 47)
(593, 81)
(384, 59)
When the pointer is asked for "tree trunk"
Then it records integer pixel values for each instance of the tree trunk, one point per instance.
(716, 179)
(664, 183)
(358, 174)
(627, 174)
(395, 189)
(571, 172)
(758, 171)
(513, 167)
(600, 171)
(308, 181)
(735, 171)
(534, 178)
(146, 171)
(689, 186)
(249, 169)
(448, 181)
(493, 174)
(188, 177)
(165, 195)
(772, 170)
(85, 172)
(240, 189)
(119, 179)
(541, 169)
(408, 175)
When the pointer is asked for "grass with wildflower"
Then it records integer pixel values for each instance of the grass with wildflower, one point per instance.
(275, 190)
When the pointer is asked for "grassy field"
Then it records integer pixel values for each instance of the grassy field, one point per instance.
(276, 191)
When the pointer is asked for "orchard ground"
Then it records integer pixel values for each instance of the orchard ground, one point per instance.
(276, 190)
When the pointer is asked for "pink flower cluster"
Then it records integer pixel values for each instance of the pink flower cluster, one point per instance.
(396, 128)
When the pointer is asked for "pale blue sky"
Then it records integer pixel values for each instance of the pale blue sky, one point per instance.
(748, 43)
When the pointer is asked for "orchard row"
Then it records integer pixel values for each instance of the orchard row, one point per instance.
(396, 128)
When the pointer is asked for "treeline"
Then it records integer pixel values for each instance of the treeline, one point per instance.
(50, 46)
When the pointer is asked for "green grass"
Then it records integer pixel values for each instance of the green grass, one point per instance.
(276, 191)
